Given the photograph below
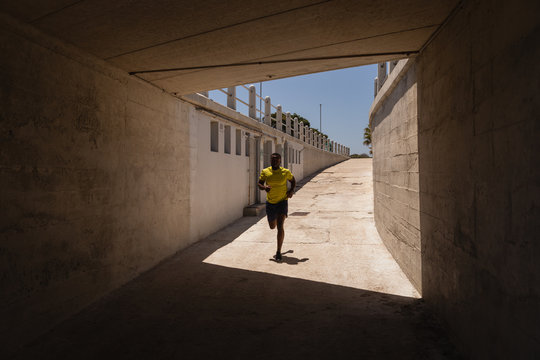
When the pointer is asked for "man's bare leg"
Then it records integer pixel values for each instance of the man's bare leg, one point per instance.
(280, 232)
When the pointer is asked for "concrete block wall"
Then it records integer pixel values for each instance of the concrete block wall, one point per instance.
(479, 156)
(93, 177)
(393, 123)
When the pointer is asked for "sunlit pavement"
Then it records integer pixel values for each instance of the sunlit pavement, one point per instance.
(338, 293)
(330, 236)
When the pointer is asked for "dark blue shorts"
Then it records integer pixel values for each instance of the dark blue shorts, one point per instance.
(273, 210)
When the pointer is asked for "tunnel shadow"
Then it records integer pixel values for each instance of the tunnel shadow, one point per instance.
(188, 308)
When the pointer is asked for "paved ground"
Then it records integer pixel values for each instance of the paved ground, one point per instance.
(337, 294)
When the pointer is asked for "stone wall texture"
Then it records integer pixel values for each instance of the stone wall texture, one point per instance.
(395, 174)
(479, 166)
(93, 177)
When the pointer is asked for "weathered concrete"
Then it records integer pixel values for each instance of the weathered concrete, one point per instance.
(394, 134)
(159, 34)
(337, 294)
(95, 163)
(92, 166)
(478, 156)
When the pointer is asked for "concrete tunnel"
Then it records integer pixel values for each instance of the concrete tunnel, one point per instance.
(95, 127)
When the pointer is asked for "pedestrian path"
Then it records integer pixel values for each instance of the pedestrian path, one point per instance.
(338, 294)
(330, 236)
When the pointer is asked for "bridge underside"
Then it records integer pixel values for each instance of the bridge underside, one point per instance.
(99, 170)
(222, 43)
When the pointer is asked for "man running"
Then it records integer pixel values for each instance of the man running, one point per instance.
(276, 178)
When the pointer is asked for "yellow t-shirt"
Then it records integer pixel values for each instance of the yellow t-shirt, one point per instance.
(277, 180)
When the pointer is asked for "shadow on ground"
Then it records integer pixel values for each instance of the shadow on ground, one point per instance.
(187, 309)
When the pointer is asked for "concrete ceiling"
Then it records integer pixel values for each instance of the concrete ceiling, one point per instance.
(211, 41)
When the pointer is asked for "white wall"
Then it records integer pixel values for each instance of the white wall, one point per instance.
(219, 181)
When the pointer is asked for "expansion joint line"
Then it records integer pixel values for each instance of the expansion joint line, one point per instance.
(322, 58)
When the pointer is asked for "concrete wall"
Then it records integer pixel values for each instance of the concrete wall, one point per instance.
(394, 121)
(102, 177)
(315, 159)
(479, 176)
(93, 179)
(219, 181)
(479, 156)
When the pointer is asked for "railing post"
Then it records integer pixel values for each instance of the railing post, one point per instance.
(381, 74)
(305, 133)
(267, 112)
(332, 146)
(375, 86)
(279, 114)
(252, 102)
(296, 127)
(393, 64)
(288, 123)
(231, 97)
(288, 120)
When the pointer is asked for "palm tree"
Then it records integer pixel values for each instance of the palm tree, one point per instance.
(367, 139)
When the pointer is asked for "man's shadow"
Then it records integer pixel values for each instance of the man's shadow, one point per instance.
(289, 259)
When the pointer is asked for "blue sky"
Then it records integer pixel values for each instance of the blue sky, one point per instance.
(346, 96)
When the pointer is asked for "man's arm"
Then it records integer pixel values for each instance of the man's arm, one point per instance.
(290, 193)
(263, 187)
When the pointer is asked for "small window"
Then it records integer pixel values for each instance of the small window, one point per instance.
(214, 136)
(238, 142)
(227, 139)
(247, 144)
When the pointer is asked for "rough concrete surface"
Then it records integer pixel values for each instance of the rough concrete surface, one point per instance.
(160, 34)
(478, 156)
(394, 133)
(337, 293)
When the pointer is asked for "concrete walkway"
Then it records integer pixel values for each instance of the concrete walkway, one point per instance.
(337, 294)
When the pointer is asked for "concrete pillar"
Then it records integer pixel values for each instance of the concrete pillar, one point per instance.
(375, 86)
(231, 97)
(279, 113)
(319, 141)
(392, 65)
(332, 146)
(305, 133)
(203, 93)
(268, 111)
(288, 124)
(296, 127)
(252, 102)
(381, 74)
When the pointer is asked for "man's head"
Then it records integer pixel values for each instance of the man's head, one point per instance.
(275, 160)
